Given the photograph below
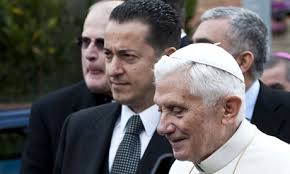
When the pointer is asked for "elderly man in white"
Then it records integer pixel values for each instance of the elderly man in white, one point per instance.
(200, 93)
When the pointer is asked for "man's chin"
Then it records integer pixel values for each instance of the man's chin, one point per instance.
(122, 97)
(180, 156)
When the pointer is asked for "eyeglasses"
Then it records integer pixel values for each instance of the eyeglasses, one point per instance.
(84, 42)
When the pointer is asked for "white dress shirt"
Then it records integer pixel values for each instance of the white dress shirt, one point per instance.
(150, 118)
(251, 98)
(248, 151)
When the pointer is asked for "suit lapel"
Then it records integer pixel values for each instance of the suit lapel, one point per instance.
(100, 137)
(99, 134)
(157, 146)
(268, 114)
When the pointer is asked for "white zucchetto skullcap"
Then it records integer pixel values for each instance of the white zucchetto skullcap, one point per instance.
(211, 55)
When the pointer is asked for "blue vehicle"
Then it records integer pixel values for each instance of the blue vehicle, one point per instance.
(13, 130)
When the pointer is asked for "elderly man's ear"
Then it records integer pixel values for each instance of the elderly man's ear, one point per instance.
(232, 105)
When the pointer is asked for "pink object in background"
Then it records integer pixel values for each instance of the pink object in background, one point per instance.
(282, 55)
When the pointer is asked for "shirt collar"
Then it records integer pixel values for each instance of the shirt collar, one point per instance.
(230, 150)
(182, 33)
(251, 98)
(150, 118)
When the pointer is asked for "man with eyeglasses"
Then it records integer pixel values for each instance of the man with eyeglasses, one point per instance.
(49, 112)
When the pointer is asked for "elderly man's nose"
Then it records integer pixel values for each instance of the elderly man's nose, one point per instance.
(165, 126)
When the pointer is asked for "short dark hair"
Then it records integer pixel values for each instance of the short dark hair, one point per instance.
(178, 5)
(163, 21)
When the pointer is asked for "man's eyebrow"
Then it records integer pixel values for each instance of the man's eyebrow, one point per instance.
(171, 103)
(120, 51)
(127, 51)
(123, 51)
(203, 40)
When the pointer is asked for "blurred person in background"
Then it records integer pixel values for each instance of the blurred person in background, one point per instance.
(49, 112)
(242, 33)
(280, 13)
(277, 71)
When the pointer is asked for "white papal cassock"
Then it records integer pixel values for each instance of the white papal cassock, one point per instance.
(248, 151)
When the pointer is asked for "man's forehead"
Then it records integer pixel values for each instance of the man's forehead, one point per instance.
(100, 12)
(104, 8)
(96, 19)
(168, 95)
(94, 29)
(168, 83)
(212, 27)
(214, 31)
(130, 29)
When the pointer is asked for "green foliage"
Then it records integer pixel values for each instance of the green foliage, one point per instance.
(190, 10)
(37, 48)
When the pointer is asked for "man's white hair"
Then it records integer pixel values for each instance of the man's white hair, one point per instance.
(205, 81)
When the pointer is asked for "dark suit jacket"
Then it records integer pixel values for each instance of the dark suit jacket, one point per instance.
(46, 120)
(85, 142)
(272, 112)
(185, 40)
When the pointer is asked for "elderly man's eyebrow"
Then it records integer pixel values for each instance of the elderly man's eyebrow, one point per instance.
(202, 40)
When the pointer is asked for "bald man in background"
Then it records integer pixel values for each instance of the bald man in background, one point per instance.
(277, 71)
(49, 112)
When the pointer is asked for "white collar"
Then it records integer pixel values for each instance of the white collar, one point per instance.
(251, 98)
(182, 33)
(150, 118)
(230, 150)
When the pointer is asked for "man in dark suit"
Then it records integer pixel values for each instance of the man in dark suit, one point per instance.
(243, 34)
(94, 140)
(49, 112)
